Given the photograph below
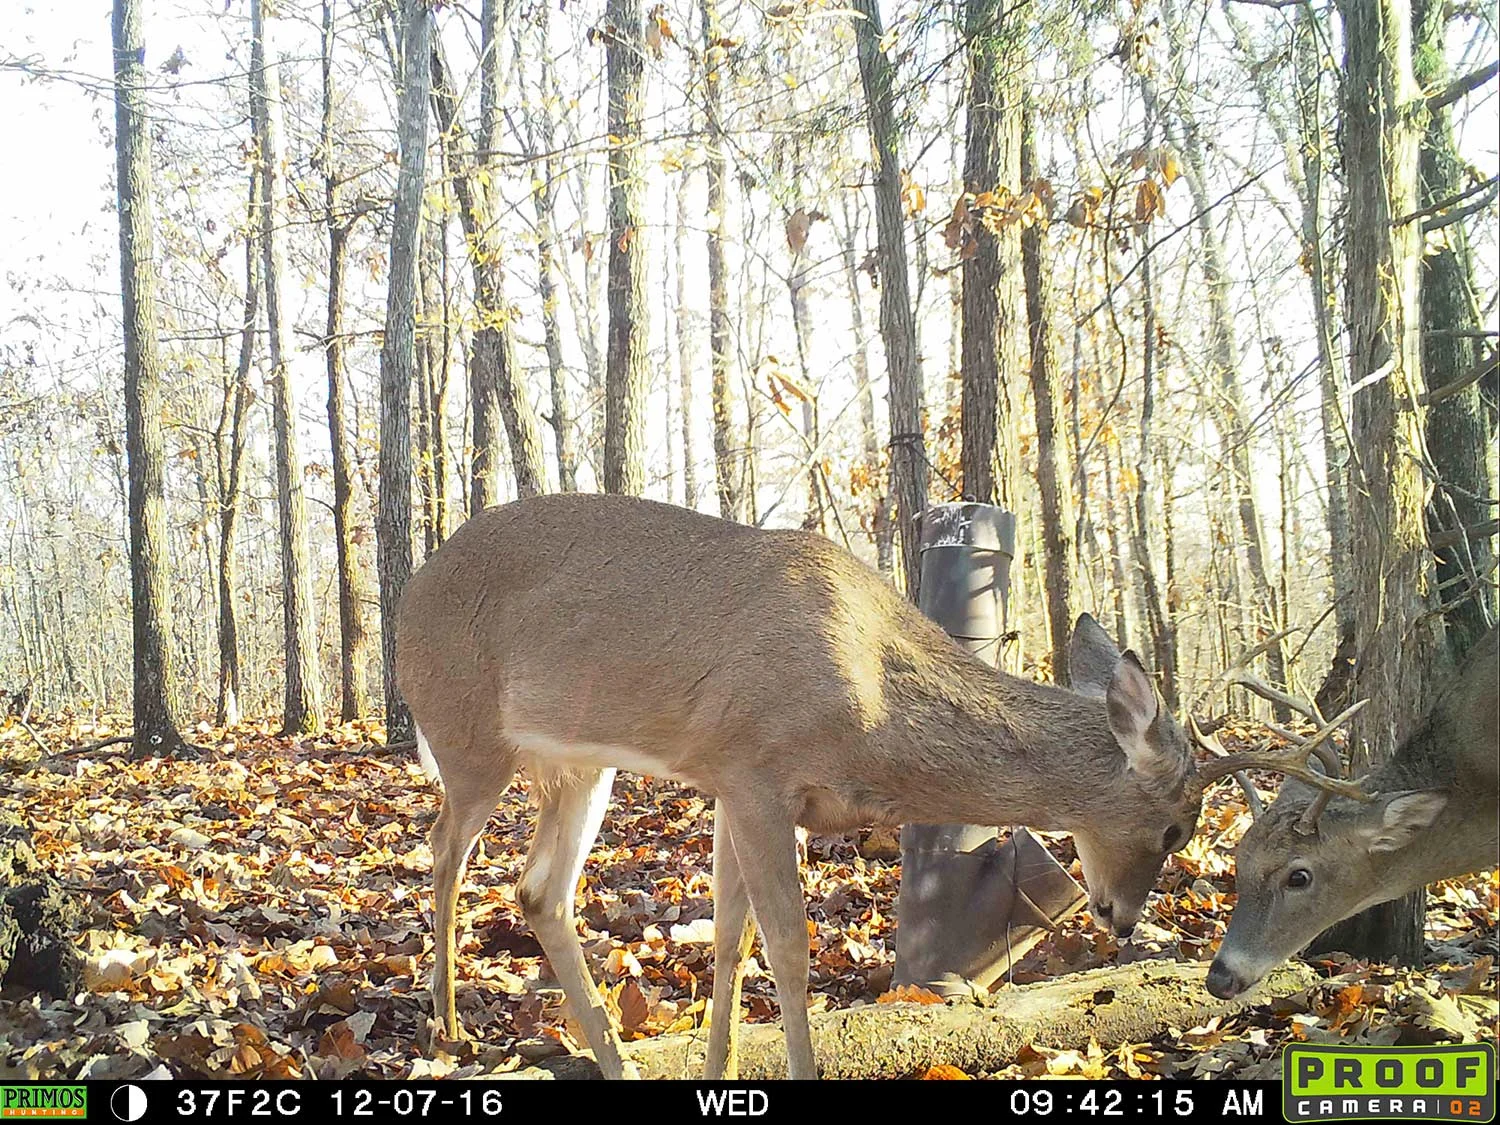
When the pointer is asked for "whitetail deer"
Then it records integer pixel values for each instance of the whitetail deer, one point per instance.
(573, 634)
(1328, 848)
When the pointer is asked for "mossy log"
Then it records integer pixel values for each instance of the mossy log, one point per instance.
(1128, 1004)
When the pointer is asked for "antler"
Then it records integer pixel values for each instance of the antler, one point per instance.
(1293, 763)
(1211, 743)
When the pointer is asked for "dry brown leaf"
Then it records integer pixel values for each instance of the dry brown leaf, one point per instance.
(909, 994)
(943, 1072)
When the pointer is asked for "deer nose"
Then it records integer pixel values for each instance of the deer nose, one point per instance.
(1223, 981)
(1102, 911)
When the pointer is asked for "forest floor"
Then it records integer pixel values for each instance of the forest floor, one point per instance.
(264, 911)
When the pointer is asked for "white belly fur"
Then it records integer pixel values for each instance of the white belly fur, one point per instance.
(550, 755)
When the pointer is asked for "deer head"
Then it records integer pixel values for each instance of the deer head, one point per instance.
(1157, 798)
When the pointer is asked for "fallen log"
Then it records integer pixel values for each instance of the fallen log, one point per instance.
(1127, 1004)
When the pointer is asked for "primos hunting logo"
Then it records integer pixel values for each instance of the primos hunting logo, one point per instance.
(39, 1103)
(1322, 1082)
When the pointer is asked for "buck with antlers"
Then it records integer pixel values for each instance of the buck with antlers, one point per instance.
(574, 634)
(1328, 848)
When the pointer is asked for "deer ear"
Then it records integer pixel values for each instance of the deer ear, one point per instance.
(1402, 818)
(1133, 706)
(1092, 657)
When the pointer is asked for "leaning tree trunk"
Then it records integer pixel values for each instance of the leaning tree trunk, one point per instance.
(1233, 413)
(1460, 430)
(495, 384)
(302, 708)
(992, 316)
(398, 356)
(625, 371)
(897, 326)
(154, 700)
(544, 198)
(1051, 454)
(727, 459)
(685, 350)
(230, 472)
(1163, 643)
(353, 639)
(1398, 639)
(874, 479)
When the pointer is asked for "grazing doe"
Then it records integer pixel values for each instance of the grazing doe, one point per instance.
(573, 634)
(1328, 848)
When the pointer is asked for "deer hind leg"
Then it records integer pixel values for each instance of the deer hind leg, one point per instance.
(572, 807)
(765, 847)
(734, 933)
(468, 801)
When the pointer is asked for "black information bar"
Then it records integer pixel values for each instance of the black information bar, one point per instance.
(152, 1103)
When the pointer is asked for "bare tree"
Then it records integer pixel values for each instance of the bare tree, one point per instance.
(625, 373)
(398, 356)
(685, 351)
(154, 696)
(494, 376)
(897, 326)
(353, 638)
(302, 709)
(727, 459)
(1051, 453)
(1398, 639)
(544, 199)
(992, 315)
(229, 450)
(1460, 429)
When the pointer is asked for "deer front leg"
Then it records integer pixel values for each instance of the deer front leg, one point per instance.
(572, 807)
(765, 846)
(734, 933)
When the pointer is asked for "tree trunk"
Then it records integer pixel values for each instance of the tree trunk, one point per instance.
(1163, 643)
(1460, 430)
(230, 466)
(991, 326)
(398, 356)
(1233, 413)
(1051, 455)
(686, 354)
(354, 646)
(814, 515)
(495, 382)
(874, 477)
(1398, 640)
(727, 459)
(545, 200)
(897, 326)
(302, 708)
(429, 430)
(154, 687)
(625, 370)
(1332, 380)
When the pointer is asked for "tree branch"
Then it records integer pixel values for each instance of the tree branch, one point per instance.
(1482, 369)
(1461, 86)
(1457, 535)
(1444, 204)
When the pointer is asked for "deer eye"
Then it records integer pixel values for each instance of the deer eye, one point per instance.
(1298, 878)
(1172, 838)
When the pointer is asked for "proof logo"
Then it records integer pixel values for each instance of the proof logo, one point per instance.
(1326, 1082)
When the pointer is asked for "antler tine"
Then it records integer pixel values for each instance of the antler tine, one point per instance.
(1211, 743)
(1293, 763)
(1333, 766)
(1307, 823)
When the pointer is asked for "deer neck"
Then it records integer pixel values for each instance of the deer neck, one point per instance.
(972, 744)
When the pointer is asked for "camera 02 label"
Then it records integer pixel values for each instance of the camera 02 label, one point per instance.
(1327, 1082)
